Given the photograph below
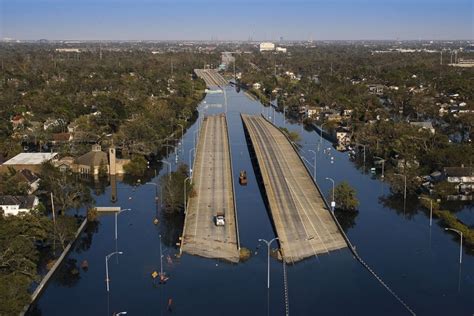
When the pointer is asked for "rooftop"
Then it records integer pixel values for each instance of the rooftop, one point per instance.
(27, 201)
(30, 158)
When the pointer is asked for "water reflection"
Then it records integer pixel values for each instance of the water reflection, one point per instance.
(346, 219)
(68, 274)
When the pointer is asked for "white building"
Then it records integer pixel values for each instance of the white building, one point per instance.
(280, 49)
(13, 205)
(267, 46)
(256, 86)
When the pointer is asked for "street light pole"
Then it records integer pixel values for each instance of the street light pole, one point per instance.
(314, 171)
(321, 132)
(185, 199)
(116, 215)
(333, 202)
(268, 258)
(169, 167)
(192, 150)
(161, 259)
(460, 245)
(431, 208)
(405, 185)
(107, 266)
(383, 165)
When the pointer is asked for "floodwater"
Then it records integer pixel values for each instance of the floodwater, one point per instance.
(419, 262)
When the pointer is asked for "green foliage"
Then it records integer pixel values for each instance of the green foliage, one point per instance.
(67, 191)
(137, 166)
(65, 230)
(345, 197)
(19, 237)
(293, 136)
(10, 183)
(451, 221)
(173, 189)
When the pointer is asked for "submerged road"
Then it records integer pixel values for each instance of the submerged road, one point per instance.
(213, 193)
(303, 223)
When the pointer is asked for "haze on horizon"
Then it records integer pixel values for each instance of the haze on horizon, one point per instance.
(237, 20)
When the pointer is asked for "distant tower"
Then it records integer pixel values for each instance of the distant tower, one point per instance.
(112, 162)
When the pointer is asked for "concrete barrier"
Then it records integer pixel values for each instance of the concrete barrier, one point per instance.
(57, 264)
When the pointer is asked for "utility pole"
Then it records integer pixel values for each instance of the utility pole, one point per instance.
(441, 58)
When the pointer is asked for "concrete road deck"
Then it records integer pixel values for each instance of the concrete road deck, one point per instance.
(213, 184)
(211, 77)
(303, 223)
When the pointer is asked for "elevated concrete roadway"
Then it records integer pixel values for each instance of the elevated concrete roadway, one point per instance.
(211, 77)
(214, 192)
(302, 221)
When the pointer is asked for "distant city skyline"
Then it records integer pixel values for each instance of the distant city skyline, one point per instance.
(237, 20)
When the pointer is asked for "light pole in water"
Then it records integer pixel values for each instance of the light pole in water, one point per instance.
(333, 202)
(431, 207)
(107, 267)
(383, 165)
(116, 215)
(460, 245)
(268, 258)
(169, 167)
(314, 171)
(404, 185)
(185, 199)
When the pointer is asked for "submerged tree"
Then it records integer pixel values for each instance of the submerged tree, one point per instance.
(345, 197)
(173, 189)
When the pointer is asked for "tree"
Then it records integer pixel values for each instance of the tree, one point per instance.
(345, 197)
(137, 166)
(67, 191)
(173, 189)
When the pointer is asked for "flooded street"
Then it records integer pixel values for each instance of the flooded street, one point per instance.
(418, 262)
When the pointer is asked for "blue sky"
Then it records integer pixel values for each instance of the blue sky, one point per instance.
(236, 19)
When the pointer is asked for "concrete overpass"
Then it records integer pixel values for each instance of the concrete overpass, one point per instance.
(303, 222)
(211, 77)
(214, 192)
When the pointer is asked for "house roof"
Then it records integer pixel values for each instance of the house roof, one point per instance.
(26, 201)
(459, 171)
(93, 158)
(428, 125)
(28, 176)
(30, 158)
(61, 137)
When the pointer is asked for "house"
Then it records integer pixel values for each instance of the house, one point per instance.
(281, 50)
(424, 125)
(459, 174)
(30, 161)
(17, 121)
(256, 86)
(29, 178)
(343, 136)
(376, 89)
(14, 205)
(314, 111)
(64, 164)
(61, 138)
(333, 117)
(51, 123)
